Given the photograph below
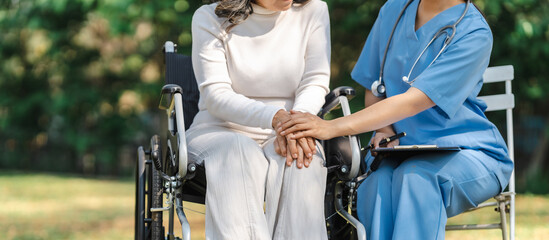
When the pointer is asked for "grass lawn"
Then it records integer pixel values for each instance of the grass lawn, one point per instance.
(45, 206)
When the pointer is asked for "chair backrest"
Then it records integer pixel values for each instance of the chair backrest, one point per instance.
(179, 70)
(505, 101)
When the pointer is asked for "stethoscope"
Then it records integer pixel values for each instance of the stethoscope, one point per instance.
(378, 87)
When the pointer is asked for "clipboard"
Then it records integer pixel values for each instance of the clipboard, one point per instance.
(402, 152)
(405, 151)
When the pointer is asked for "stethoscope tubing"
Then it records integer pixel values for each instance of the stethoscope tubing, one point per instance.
(391, 38)
(441, 31)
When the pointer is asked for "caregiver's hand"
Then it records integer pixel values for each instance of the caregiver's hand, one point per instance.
(381, 134)
(305, 125)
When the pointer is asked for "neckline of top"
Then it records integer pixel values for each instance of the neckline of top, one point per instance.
(261, 10)
(440, 18)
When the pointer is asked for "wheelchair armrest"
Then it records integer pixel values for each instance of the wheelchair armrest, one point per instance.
(332, 99)
(172, 101)
(180, 134)
(341, 96)
(167, 93)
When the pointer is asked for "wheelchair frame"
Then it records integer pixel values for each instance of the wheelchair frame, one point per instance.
(156, 176)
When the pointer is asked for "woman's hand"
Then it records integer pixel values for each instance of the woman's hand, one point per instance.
(306, 125)
(280, 117)
(308, 146)
(280, 143)
(300, 150)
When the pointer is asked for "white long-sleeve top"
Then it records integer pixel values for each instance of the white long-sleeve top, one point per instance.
(273, 60)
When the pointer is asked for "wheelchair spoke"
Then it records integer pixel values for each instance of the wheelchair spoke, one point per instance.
(333, 214)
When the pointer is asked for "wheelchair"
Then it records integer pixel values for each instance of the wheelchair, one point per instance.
(164, 170)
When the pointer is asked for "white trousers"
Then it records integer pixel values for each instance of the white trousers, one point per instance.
(244, 178)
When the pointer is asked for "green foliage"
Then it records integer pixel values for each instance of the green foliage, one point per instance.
(80, 79)
(536, 183)
(521, 38)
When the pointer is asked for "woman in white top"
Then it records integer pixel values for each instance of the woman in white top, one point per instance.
(255, 61)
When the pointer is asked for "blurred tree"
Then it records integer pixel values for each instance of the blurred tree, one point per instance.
(521, 38)
(80, 79)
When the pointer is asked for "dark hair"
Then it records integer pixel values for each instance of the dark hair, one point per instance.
(236, 11)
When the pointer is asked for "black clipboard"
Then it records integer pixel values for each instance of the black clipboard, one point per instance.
(405, 151)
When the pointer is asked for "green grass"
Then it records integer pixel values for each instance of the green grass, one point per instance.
(45, 206)
(41, 206)
(532, 219)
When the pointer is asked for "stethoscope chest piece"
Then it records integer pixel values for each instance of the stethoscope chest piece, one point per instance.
(378, 88)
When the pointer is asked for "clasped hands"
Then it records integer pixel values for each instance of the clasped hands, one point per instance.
(299, 149)
(305, 125)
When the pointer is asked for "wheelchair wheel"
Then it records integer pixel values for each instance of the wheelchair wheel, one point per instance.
(157, 190)
(148, 194)
(140, 196)
(157, 231)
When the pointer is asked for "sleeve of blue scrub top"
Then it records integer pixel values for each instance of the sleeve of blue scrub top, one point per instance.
(366, 69)
(454, 75)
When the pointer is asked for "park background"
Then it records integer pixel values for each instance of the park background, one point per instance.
(79, 90)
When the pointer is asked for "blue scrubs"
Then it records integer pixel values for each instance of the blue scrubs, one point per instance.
(413, 199)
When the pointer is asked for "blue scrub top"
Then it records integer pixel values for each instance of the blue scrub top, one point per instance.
(452, 82)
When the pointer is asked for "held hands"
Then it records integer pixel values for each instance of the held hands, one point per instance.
(305, 125)
(299, 149)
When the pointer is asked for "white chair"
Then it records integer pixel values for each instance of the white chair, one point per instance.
(505, 202)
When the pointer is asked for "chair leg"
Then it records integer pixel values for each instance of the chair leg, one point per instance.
(501, 205)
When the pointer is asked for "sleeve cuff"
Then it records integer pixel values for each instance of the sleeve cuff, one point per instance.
(306, 110)
(311, 100)
(448, 108)
(268, 115)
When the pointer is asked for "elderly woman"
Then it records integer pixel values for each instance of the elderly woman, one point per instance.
(255, 61)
